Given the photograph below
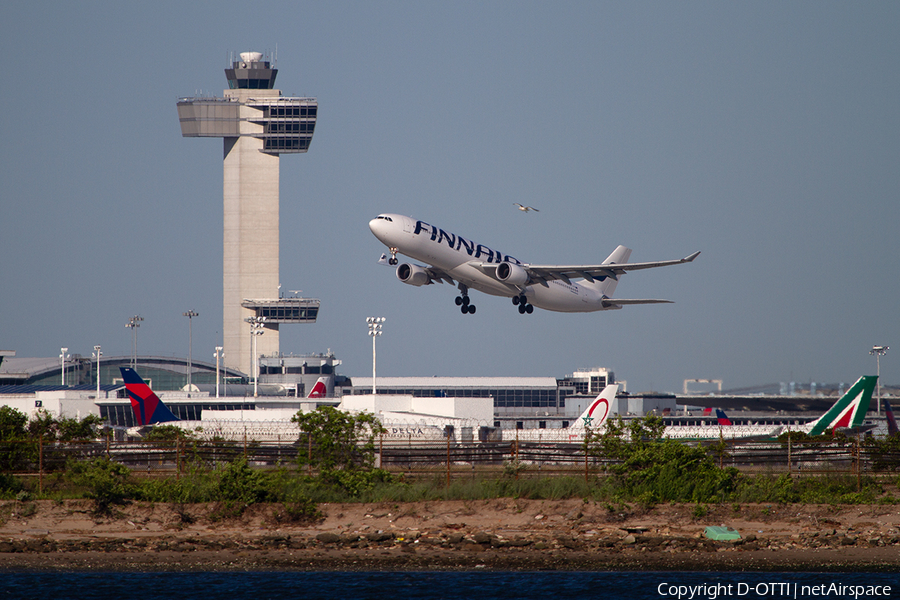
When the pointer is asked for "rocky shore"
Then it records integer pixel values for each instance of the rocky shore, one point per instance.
(494, 534)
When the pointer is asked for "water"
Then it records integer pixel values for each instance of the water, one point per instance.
(470, 585)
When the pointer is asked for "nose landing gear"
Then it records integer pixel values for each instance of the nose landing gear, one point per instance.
(393, 259)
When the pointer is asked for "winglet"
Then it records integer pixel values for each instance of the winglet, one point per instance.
(691, 257)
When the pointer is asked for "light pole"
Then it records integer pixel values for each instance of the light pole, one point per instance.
(190, 315)
(218, 356)
(879, 351)
(375, 325)
(97, 354)
(62, 362)
(257, 327)
(134, 322)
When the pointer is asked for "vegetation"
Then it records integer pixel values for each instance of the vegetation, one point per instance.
(335, 462)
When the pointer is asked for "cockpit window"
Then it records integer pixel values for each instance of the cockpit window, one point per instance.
(385, 218)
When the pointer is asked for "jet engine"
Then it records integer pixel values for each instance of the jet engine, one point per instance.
(412, 274)
(512, 274)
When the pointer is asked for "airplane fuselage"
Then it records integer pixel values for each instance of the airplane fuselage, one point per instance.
(474, 265)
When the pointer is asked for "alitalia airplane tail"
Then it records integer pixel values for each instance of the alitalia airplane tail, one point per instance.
(849, 412)
(148, 408)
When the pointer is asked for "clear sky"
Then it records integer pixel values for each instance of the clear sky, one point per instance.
(765, 134)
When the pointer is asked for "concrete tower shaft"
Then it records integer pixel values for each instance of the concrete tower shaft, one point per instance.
(258, 124)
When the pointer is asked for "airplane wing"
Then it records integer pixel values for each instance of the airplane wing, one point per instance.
(436, 275)
(590, 272)
(607, 302)
(543, 273)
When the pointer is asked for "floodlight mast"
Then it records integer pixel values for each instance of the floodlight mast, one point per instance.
(97, 354)
(218, 356)
(257, 328)
(375, 325)
(878, 351)
(133, 323)
(62, 361)
(190, 315)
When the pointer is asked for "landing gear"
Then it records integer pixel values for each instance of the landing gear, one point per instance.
(462, 301)
(393, 259)
(522, 302)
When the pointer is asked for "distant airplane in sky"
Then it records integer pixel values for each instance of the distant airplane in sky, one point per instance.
(456, 260)
(525, 208)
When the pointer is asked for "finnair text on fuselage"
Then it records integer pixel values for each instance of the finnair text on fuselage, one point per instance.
(459, 243)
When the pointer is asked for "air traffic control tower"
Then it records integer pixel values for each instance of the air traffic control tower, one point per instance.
(258, 125)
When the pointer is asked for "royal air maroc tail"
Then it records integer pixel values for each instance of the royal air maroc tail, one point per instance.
(455, 260)
(592, 419)
(849, 412)
(148, 408)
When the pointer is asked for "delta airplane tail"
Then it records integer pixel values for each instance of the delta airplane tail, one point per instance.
(148, 408)
(722, 418)
(891, 421)
(849, 412)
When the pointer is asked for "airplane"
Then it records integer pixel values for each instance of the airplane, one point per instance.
(434, 429)
(846, 415)
(454, 259)
(149, 409)
(592, 419)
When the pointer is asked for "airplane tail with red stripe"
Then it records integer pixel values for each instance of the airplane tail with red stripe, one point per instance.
(722, 417)
(598, 410)
(850, 411)
(891, 421)
(148, 408)
(320, 390)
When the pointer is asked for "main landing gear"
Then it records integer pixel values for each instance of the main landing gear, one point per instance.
(462, 301)
(522, 302)
(393, 259)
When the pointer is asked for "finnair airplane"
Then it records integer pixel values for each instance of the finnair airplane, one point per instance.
(454, 259)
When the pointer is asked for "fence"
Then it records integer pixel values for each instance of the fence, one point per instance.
(442, 458)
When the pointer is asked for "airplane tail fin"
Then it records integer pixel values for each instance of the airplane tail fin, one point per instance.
(891, 421)
(319, 390)
(607, 285)
(850, 410)
(148, 408)
(722, 417)
(598, 410)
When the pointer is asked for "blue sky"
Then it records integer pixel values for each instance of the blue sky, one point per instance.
(764, 134)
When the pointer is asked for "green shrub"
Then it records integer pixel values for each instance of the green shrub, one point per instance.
(104, 481)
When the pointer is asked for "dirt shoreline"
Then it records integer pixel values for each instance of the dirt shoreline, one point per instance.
(503, 534)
